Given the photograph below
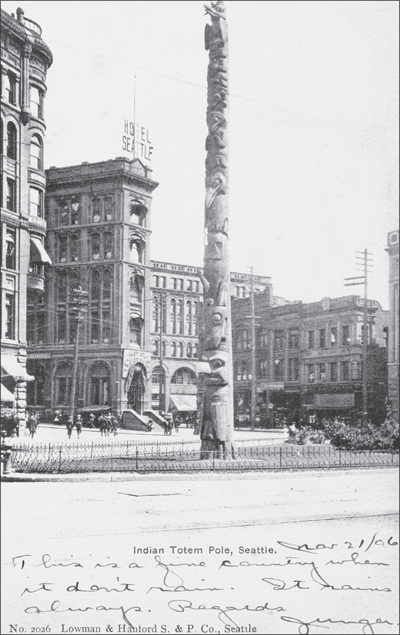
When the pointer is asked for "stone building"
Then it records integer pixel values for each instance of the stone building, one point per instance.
(393, 345)
(309, 358)
(177, 297)
(25, 60)
(99, 226)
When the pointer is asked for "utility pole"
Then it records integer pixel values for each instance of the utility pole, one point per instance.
(364, 257)
(252, 317)
(78, 309)
(161, 405)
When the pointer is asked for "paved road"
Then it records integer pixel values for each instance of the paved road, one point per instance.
(332, 557)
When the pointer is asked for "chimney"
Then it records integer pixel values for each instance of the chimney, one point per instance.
(20, 15)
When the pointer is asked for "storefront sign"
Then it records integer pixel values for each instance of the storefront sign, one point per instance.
(136, 141)
(39, 356)
(334, 401)
(270, 385)
(135, 357)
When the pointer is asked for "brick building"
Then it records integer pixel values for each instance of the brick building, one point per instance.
(25, 62)
(309, 357)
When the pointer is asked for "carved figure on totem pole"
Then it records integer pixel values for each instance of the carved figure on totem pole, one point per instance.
(215, 390)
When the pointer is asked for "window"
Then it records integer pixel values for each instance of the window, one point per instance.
(322, 372)
(189, 350)
(11, 141)
(10, 88)
(100, 318)
(95, 247)
(263, 339)
(36, 157)
(99, 385)
(155, 348)
(155, 281)
(345, 335)
(293, 369)
(180, 316)
(36, 102)
(137, 211)
(35, 320)
(322, 338)
(311, 339)
(279, 370)
(108, 245)
(181, 349)
(62, 249)
(334, 371)
(136, 286)
(184, 376)
(136, 250)
(294, 340)
(36, 202)
(173, 349)
(279, 340)
(345, 371)
(109, 208)
(75, 207)
(10, 249)
(74, 247)
(11, 202)
(263, 369)
(10, 317)
(96, 205)
(310, 373)
(35, 389)
(333, 336)
(189, 318)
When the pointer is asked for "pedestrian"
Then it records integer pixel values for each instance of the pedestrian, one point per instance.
(57, 416)
(78, 424)
(91, 420)
(102, 424)
(32, 425)
(70, 425)
(114, 425)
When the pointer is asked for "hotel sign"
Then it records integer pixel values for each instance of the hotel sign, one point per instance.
(136, 141)
(135, 357)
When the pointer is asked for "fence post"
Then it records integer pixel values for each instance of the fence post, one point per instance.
(91, 451)
(213, 459)
(280, 457)
(340, 457)
(137, 458)
(59, 460)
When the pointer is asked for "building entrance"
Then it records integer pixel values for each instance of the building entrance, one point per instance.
(136, 381)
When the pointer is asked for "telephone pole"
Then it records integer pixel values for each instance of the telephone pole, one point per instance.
(252, 317)
(161, 405)
(78, 309)
(363, 261)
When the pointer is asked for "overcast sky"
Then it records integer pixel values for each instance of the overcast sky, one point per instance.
(313, 125)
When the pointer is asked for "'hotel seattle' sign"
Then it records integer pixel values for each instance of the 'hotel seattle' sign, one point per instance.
(136, 141)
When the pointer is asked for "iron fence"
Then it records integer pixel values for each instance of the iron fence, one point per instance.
(133, 456)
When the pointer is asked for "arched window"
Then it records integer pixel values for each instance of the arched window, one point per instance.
(136, 290)
(184, 376)
(164, 348)
(181, 349)
(173, 316)
(189, 349)
(137, 212)
(99, 384)
(63, 383)
(107, 281)
(36, 104)
(189, 317)
(173, 349)
(11, 141)
(156, 348)
(36, 156)
(180, 317)
(134, 251)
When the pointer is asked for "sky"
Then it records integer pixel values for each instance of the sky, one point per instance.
(313, 126)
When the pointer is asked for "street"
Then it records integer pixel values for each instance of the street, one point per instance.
(282, 550)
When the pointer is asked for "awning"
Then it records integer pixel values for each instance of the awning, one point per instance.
(11, 368)
(94, 409)
(43, 256)
(183, 403)
(6, 395)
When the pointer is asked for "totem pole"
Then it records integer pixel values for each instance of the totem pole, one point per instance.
(215, 390)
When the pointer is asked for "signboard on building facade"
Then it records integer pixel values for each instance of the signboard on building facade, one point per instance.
(135, 357)
(136, 141)
(271, 385)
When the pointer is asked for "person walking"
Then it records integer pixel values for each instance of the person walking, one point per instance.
(70, 425)
(32, 425)
(78, 424)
